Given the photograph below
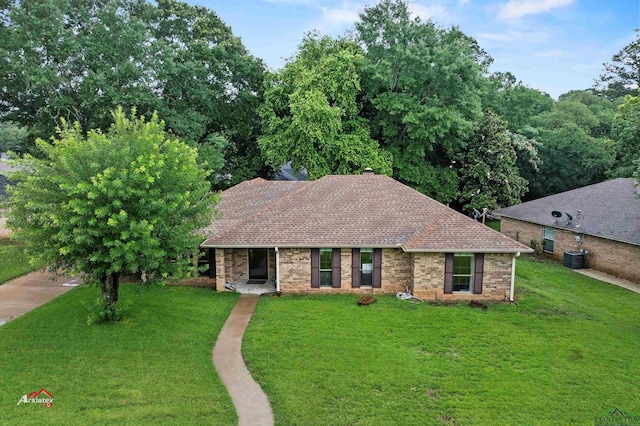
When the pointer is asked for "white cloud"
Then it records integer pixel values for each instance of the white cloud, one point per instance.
(518, 8)
(463, 2)
(346, 13)
(427, 12)
(537, 37)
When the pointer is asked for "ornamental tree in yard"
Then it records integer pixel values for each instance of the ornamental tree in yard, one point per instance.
(125, 201)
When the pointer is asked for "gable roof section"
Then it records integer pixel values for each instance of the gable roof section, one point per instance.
(608, 210)
(346, 211)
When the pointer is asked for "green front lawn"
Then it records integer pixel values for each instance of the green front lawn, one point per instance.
(566, 353)
(13, 262)
(154, 367)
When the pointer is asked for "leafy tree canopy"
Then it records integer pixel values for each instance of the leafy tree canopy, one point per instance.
(626, 132)
(310, 115)
(621, 76)
(125, 201)
(514, 102)
(12, 137)
(489, 176)
(79, 59)
(422, 94)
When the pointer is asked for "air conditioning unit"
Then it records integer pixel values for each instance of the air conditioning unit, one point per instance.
(574, 259)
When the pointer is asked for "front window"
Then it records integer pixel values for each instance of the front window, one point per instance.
(462, 272)
(366, 267)
(326, 267)
(548, 235)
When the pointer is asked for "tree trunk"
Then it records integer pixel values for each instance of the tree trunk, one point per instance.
(109, 285)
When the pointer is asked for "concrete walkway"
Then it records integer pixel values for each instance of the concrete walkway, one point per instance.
(609, 279)
(27, 292)
(252, 405)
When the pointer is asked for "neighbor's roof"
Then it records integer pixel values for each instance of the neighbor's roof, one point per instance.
(346, 211)
(609, 210)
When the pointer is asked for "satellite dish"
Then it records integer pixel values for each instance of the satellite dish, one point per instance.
(556, 214)
(569, 216)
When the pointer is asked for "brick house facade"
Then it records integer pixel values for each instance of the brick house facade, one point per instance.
(609, 256)
(365, 234)
(603, 220)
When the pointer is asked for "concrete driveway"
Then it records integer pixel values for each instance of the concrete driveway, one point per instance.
(26, 293)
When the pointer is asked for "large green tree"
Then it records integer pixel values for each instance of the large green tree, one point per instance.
(79, 59)
(514, 102)
(626, 133)
(124, 201)
(621, 76)
(489, 176)
(422, 89)
(311, 112)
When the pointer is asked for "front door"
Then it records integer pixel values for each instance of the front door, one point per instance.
(258, 264)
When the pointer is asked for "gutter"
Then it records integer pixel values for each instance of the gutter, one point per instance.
(513, 276)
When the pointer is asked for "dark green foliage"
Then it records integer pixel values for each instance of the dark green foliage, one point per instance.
(489, 176)
(514, 102)
(12, 137)
(622, 75)
(422, 94)
(310, 115)
(83, 58)
(626, 132)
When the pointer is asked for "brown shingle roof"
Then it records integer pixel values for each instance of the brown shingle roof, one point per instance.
(346, 211)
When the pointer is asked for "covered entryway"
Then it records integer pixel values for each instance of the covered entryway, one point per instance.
(258, 266)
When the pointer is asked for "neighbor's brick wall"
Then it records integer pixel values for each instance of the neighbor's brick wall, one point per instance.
(611, 257)
(428, 275)
(295, 272)
(523, 232)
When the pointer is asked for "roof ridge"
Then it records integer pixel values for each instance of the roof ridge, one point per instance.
(429, 229)
(305, 184)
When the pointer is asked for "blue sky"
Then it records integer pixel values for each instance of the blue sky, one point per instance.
(551, 45)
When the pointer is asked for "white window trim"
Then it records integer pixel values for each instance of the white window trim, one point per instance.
(325, 270)
(471, 276)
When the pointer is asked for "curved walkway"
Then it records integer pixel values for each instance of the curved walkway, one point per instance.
(252, 405)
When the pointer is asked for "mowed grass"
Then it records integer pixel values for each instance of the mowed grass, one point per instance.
(13, 262)
(154, 367)
(566, 353)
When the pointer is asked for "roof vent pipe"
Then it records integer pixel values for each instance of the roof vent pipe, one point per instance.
(368, 171)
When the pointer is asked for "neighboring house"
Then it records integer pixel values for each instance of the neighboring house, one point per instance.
(356, 234)
(601, 219)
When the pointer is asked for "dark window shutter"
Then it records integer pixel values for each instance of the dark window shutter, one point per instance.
(376, 279)
(479, 271)
(448, 273)
(315, 268)
(335, 267)
(212, 262)
(355, 268)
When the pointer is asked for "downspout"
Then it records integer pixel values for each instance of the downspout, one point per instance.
(277, 269)
(513, 276)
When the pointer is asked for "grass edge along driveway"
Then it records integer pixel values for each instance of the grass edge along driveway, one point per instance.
(153, 367)
(565, 354)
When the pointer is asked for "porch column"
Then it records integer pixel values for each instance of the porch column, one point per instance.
(277, 269)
